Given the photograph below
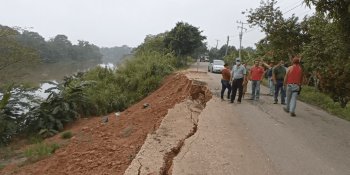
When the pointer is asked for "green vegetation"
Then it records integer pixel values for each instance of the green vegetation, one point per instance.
(98, 91)
(321, 40)
(115, 55)
(66, 135)
(13, 55)
(24, 54)
(183, 39)
(2, 166)
(40, 150)
(313, 96)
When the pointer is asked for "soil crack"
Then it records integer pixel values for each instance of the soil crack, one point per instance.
(164, 144)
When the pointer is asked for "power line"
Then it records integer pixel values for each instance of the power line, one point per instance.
(297, 5)
(289, 6)
(293, 8)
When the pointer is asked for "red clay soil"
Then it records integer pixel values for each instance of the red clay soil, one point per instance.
(109, 148)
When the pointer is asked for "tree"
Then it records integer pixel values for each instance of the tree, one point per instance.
(326, 56)
(13, 55)
(60, 48)
(338, 10)
(153, 43)
(200, 51)
(184, 39)
(283, 36)
(213, 54)
(115, 54)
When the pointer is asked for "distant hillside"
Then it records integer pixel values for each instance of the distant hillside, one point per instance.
(115, 54)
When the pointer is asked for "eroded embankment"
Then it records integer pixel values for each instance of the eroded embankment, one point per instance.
(157, 153)
(109, 148)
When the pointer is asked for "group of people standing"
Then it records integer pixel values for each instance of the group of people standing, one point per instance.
(281, 80)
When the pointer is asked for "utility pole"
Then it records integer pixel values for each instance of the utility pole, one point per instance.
(217, 42)
(228, 39)
(240, 36)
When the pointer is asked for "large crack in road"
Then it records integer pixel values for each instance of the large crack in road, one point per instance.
(157, 154)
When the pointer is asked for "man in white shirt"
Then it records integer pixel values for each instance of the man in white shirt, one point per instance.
(238, 74)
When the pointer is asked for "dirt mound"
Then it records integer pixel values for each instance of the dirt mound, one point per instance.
(108, 148)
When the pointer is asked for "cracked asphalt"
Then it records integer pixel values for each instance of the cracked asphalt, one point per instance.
(258, 138)
(251, 138)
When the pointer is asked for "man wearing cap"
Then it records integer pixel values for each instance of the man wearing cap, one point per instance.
(238, 74)
(293, 80)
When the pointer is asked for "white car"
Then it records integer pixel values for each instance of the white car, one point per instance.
(216, 66)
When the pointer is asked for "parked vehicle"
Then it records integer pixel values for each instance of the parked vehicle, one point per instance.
(204, 59)
(216, 66)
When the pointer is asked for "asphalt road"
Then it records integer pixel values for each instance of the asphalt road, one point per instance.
(258, 137)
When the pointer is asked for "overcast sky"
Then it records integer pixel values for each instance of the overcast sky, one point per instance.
(108, 23)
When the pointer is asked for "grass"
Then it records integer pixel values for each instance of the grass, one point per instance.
(40, 150)
(312, 96)
(66, 135)
(34, 139)
(2, 166)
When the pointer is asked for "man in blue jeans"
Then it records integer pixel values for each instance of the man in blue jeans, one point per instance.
(255, 76)
(278, 74)
(225, 81)
(270, 80)
(293, 81)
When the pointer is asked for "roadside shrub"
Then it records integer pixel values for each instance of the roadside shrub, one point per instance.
(104, 93)
(141, 75)
(13, 102)
(96, 92)
(40, 150)
(62, 106)
(66, 135)
(116, 90)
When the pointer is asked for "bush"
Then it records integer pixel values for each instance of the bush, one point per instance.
(66, 135)
(40, 150)
(134, 79)
(96, 92)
